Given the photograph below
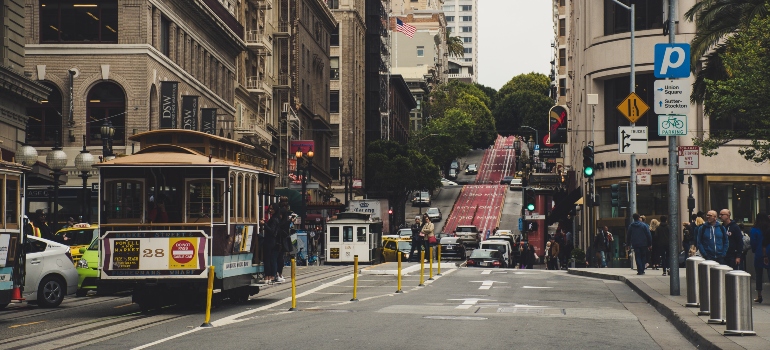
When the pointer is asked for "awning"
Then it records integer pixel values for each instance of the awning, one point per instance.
(564, 206)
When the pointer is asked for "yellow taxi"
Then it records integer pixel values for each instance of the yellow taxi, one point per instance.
(392, 245)
(76, 237)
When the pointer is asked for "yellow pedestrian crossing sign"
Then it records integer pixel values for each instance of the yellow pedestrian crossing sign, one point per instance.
(633, 107)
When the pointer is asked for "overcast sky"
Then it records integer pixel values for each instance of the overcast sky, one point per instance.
(514, 38)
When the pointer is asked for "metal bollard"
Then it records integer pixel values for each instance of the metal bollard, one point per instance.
(740, 320)
(703, 286)
(692, 280)
(717, 293)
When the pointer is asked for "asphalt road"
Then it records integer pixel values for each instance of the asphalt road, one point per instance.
(466, 308)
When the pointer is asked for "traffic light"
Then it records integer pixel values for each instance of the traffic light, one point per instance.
(390, 214)
(588, 161)
(529, 202)
(615, 193)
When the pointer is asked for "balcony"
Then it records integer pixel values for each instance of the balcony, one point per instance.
(284, 29)
(259, 42)
(263, 4)
(258, 86)
(284, 81)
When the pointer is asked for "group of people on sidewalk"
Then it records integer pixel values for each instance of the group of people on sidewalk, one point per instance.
(423, 238)
(276, 239)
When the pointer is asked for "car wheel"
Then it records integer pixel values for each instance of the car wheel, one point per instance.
(51, 291)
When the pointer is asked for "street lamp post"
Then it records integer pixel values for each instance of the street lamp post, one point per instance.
(107, 132)
(83, 162)
(304, 171)
(56, 160)
(348, 178)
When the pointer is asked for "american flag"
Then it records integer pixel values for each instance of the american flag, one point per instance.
(405, 28)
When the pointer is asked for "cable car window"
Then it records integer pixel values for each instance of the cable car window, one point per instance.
(334, 234)
(347, 233)
(361, 234)
(123, 200)
(199, 201)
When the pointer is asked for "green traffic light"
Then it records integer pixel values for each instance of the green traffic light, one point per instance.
(588, 172)
(530, 206)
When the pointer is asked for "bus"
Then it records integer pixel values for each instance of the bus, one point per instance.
(186, 201)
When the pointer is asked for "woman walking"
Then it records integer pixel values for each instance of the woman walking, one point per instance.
(655, 261)
(760, 245)
(661, 241)
(271, 234)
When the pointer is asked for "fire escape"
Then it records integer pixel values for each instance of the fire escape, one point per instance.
(288, 121)
(385, 117)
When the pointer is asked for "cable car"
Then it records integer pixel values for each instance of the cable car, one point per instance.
(353, 234)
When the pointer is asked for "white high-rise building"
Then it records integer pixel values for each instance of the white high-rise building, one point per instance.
(461, 20)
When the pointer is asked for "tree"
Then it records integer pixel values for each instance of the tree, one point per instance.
(741, 97)
(471, 100)
(523, 101)
(454, 45)
(490, 92)
(536, 82)
(447, 138)
(445, 96)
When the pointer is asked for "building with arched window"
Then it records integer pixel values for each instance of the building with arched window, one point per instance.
(138, 65)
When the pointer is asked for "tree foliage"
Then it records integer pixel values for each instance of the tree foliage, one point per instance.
(473, 103)
(741, 98)
(454, 45)
(523, 101)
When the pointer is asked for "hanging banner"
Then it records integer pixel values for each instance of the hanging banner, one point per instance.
(190, 113)
(557, 119)
(169, 104)
(209, 120)
(301, 145)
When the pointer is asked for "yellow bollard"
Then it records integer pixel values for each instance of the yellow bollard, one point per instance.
(209, 295)
(439, 260)
(399, 273)
(293, 285)
(430, 260)
(422, 268)
(355, 277)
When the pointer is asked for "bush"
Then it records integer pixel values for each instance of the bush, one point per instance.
(580, 257)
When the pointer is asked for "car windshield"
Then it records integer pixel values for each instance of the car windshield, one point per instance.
(483, 254)
(405, 232)
(404, 245)
(498, 247)
(508, 178)
(466, 229)
(94, 245)
(433, 211)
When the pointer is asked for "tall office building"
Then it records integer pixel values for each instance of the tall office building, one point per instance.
(461, 20)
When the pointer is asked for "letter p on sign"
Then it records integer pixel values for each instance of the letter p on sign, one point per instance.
(672, 60)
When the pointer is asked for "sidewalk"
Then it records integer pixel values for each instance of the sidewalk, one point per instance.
(655, 289)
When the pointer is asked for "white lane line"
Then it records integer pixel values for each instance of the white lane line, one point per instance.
(533, 287)
(486, 272)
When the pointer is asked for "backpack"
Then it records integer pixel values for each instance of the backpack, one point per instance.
(746, 243)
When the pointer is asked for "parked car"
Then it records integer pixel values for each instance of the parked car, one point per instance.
(454, 165)
(405, 232)
(471, 169)
(506, 180)
(452, 247)
(445, 182)
(393, 246)
(421, 198)
(50, 272)
(468, 235)
(485, 258)
(515, 184)
(452, 173)
(77, 237)
(502, 246)
(434, 214)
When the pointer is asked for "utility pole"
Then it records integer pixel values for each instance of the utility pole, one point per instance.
(673, 186)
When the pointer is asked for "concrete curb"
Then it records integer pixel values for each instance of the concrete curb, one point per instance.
(688, 324)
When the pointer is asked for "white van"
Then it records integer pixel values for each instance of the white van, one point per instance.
(502, 246)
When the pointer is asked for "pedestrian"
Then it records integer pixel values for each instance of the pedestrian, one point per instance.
(661, 241)
(712, 239)
(640, 240)
(70, 223)
(734, 238)
(417, 237)
(760, 245)
(38, 226)
(687, 236)
(272, 226)
(610, 244)
(569, 245)
(531, 256)
(547, 255)
(427, 231)
(158, 214)
(655, 253)
(600, 249)
(283, 241)
(553, 252)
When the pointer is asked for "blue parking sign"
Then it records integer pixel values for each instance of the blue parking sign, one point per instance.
(672, 60)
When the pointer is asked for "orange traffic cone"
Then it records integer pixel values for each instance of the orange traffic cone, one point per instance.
(16, 294)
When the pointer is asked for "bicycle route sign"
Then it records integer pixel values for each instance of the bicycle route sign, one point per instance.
(672, 96)
(672, 125)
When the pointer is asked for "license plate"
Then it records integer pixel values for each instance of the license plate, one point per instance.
(450, 247)
(484, 264)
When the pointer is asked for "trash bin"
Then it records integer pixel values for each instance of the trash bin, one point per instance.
(703, 285)
(692, 280)
(717, 293)
(740, 320)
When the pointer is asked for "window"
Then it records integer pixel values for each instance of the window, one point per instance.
(562, 26)
(649, 15)
(466, 29)
(561, 2)
(334, 39)
(11, 209)
(165, 29)
(562, 87)
(333, 4)
(454, 70)
(334, 65)
(563, 57)
(468, 60)
(449, 8)
(468, 50)
(335, 140)
(466, 18)
(347, 233)
(334, 234)
(71, 21)
(44, 120)
(740, 197)
(334, 101)
(420, 51)
(615, 90)
(467, 39)
(123, 200)
(106, 101)
(361, 234)
(450, 18)
(199, 201)
(466, 7)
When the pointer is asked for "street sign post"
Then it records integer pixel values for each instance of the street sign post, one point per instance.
(672, 125)
(633, 107)
(644, 176)
(632, 139)
(689, 157)
(672, 96)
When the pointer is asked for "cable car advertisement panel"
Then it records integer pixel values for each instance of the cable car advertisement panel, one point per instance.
(173, 254)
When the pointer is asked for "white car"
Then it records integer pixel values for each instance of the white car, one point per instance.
(50, 272)
(445, 182)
